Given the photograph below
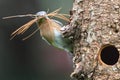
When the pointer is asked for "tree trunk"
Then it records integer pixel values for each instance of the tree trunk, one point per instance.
(95, 29)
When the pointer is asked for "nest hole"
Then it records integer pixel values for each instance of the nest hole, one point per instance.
(109, 54)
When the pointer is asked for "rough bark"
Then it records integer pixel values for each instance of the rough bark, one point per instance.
(94, 24)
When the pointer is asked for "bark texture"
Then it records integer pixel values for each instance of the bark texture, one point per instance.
(94, 23)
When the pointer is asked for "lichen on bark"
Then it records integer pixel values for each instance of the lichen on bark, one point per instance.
(94, 23)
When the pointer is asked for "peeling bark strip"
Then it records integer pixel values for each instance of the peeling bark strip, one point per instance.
(95, 23)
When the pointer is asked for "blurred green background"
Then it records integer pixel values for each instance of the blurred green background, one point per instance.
(32, 59)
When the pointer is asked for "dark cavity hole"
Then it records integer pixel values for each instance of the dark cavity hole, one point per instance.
(109, 55)
(116, 31)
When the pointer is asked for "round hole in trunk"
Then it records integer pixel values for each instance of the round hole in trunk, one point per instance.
(108, 54)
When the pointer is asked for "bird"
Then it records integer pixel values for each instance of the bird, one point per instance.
(50, 29)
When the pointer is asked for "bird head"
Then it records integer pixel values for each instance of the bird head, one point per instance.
(42, 14)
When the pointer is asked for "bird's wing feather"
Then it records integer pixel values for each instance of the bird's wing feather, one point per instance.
(58, 22)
